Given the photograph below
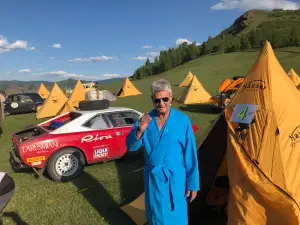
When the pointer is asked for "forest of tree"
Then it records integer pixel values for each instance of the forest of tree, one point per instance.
(283, 33)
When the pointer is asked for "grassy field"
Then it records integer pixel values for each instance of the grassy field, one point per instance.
(95, 197)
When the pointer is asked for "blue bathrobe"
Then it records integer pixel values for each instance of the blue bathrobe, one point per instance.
(171, 167)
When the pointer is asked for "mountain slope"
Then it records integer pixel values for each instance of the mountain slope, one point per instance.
(256, 19)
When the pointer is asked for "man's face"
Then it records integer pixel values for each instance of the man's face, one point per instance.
(162, 101)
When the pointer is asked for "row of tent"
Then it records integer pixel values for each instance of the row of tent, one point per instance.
(57, 103)
(255, 143)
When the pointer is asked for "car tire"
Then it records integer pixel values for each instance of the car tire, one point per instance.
(66, 164)
(94, 104)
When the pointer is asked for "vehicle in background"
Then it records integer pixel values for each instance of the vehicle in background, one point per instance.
(22, 103)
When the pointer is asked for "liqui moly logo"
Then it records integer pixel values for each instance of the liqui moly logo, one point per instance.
(91, 138)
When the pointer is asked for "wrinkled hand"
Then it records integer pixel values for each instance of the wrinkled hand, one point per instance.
(191, 195)
(144, 122)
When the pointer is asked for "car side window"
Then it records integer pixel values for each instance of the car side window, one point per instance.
(122, 119)
(97, 123)
(14, 98)
(25, 98)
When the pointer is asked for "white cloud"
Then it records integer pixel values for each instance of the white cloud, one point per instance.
(255, 4)
(56, 46)
(25, 71)
(93, 59)
(39, 69)
(197, 44)
(52, 57)
(149, 55)
(147, 46)
(8, 72)
(162, 47)
(5, 46)
(179, 41)
(152, 54)
(139, 58)
(112, 75)
(66, 75)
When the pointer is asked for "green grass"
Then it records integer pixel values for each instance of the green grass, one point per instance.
(95, 197)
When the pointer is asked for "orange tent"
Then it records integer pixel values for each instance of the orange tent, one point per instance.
(263, 156)
(234, 85)
(224, 84)
(53, 104)
(187, 80)
(43, 91)
(294, 77)
(77, 95)
(128, 89)
(194, 93)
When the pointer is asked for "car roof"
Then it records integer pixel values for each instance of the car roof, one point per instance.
(110, 109)
(25, 93)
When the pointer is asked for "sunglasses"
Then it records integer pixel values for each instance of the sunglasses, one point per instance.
(158, 100)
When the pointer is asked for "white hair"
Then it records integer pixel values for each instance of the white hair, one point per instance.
(160, 85)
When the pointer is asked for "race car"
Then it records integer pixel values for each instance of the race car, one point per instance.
(65, 144)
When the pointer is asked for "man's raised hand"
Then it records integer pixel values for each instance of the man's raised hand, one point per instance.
(144, 122)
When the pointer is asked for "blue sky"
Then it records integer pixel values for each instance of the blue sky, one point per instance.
(97, 39)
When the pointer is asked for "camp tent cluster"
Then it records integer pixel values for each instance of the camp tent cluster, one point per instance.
(255, 143)
(194, 92)
(57, 103)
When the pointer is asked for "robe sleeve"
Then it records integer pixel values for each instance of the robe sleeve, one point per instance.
(132, 143)
(191, 159)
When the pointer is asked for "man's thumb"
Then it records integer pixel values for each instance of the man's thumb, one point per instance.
(188, 194)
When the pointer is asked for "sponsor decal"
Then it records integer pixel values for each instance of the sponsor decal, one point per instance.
(40, 146)
(90, 138)
(254, 85)
(36, 159)
(36, 163)
(295, 136)
(100, 153)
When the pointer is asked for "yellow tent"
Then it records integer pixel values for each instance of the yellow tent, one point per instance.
(294, 77)
(128, 89)
(77, 95)
(194, 93)
(53, 104)
(136, 210)
(187, 80)
(263, 159)
(43, 91)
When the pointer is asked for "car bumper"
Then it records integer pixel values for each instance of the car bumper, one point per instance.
(16, 163)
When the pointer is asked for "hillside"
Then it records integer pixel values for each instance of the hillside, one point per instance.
(283, 20)
(15, 86)
(247, 33)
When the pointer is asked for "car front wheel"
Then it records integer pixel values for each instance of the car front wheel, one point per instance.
(66, 164)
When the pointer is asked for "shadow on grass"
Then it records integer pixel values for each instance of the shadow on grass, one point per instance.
(200, 108)
(131, 182)
(15, 217)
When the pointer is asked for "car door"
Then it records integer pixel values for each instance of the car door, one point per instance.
(99, 142)
(13, 104)
(26, 104)
(123, 122)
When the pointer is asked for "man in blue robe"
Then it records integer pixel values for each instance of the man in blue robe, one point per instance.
(171, 175)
